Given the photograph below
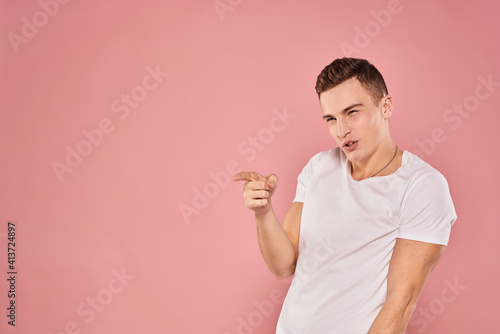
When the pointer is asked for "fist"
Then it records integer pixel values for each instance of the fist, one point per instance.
(257, 190)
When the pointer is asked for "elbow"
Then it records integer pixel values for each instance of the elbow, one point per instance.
(284, 273)
(284, 267)
(403, 303)
(412, 304)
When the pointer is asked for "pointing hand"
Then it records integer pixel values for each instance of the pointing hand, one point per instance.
(257, 190)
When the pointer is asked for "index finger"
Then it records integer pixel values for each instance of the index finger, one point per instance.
(248, 176)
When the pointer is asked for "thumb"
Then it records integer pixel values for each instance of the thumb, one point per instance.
(272, 181)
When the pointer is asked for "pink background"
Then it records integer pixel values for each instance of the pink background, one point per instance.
(229, 74)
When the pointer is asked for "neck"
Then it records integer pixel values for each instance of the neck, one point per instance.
(384, 161)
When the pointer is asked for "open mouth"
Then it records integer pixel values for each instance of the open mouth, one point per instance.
(350, 144)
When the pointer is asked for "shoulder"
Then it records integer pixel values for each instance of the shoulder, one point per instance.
(427, 211)
(420, 172)
(332, 156)
(320, 163)
(423, 182)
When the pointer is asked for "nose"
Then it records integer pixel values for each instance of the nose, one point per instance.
(343, 128)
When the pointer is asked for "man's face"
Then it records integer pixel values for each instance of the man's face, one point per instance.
(354, 121)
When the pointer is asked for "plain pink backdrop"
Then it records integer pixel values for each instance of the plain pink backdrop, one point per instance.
(231, 71)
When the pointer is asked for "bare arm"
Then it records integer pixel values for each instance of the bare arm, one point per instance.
(411, 263)
(278, 243)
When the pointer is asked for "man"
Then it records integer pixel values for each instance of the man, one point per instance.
(369, 221)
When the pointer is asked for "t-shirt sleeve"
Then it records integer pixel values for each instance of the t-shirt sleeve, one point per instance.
(303, 180)
(427, 210)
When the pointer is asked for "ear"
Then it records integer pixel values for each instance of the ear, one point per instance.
(387, 105)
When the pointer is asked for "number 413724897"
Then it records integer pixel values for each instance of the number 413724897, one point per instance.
(11, 253)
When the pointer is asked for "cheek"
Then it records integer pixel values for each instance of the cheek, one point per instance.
(368, 124)
(332, 130)
(372, 127)
(368, 120)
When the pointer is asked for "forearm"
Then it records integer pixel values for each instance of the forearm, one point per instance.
(411, 263)
(393, 317)
(275, 245)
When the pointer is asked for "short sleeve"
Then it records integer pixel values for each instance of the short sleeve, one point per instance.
(303, 180)
(427, 210)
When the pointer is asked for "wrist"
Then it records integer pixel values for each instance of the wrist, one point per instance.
(264, 213)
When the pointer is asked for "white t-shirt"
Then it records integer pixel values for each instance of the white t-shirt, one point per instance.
(348, 231)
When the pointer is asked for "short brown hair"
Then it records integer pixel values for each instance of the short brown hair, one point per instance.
(343, 69)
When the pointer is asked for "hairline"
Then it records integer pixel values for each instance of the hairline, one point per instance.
(376, 100)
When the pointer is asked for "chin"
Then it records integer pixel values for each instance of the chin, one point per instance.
(355, 156)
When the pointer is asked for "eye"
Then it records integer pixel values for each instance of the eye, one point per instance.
(352, 111)
(330, 119)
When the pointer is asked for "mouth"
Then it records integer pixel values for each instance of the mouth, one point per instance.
(350, 145)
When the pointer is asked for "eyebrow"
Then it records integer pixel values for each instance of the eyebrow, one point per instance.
(345, 110)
